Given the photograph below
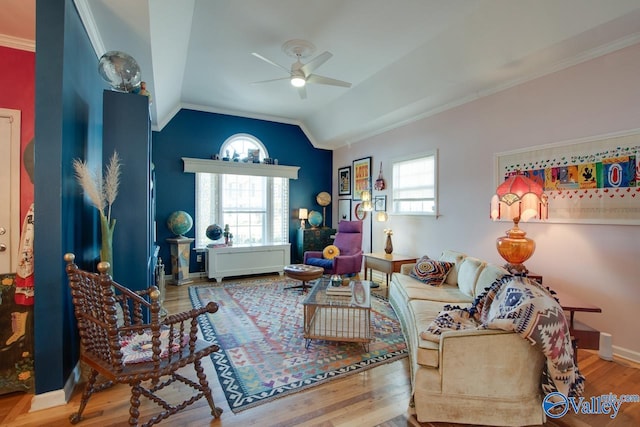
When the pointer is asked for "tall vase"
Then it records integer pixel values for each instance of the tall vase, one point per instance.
(106, 248)
(388, 248)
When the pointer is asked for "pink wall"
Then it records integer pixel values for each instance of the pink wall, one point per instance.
(598, 263)
(17, 92)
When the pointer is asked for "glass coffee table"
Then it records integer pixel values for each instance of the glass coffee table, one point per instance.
(338, 317)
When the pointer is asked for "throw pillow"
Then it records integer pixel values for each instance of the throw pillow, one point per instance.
(430, 271)
(330, 252)
(327, 264)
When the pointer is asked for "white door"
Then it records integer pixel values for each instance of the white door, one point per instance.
(9, 189)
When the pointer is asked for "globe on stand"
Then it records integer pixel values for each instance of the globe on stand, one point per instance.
(179, 223)
(315, 219)
(214, 232)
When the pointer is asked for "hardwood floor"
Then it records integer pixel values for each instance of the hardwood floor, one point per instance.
(377, 397)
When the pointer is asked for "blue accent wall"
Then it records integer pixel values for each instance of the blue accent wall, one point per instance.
(68, 125)
(200, 135)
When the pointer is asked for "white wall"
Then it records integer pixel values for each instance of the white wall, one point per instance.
(598, 263)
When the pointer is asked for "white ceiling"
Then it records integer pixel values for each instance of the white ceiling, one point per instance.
(406, 59)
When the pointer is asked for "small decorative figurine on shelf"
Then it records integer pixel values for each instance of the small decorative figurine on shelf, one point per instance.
(142, 90)
(227, 235)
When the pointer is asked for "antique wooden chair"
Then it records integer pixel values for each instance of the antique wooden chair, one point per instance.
(124, 339)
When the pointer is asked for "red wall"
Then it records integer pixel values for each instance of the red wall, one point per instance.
(17, 92)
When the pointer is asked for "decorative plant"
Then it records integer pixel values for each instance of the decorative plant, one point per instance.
(102, 193)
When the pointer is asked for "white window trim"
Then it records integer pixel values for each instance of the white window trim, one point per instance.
(436, 212)
(238, 168)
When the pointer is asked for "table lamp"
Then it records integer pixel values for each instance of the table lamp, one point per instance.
(518, 198)
(303, 214)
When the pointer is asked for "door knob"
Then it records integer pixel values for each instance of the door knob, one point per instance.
(3, 247)
(3, 231)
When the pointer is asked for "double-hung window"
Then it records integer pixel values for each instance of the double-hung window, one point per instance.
(415, 184)
(255, 207)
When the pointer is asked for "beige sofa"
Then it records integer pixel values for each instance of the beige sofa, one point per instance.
(485, 377)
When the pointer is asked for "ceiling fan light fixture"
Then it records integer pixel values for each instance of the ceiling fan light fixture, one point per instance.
(297, 81)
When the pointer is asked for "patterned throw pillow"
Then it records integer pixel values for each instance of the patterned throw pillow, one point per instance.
(430, 271)
(330, 252)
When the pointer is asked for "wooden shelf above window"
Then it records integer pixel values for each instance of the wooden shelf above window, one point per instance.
(239, 168)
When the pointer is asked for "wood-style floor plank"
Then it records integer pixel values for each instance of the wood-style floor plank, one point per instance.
(376, 397)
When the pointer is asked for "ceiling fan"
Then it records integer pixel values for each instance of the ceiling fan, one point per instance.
(300, 74)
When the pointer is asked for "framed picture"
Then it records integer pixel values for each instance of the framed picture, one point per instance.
(591, 181)
(344, 209)
(361, 177)
(380, 203)
(344, 181)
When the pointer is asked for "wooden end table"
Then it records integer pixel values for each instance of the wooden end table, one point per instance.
(386, 263)
(582, 336)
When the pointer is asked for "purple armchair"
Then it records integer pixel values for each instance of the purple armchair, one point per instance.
(349, 241)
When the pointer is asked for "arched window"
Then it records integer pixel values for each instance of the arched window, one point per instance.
(243, 147)
(256, 208)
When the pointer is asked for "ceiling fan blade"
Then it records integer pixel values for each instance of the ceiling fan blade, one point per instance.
(257, 55)
(314, 78)
(315, 63)
(302, 92)
(271, 80)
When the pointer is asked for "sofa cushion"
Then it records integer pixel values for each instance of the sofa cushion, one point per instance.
(411, 289)
(468, 274)
(456, 258)
(430, 271)
(489, 274)
(423, 313)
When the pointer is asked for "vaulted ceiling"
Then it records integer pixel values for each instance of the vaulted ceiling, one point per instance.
(405, 59)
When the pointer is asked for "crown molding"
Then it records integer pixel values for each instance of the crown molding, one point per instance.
(86, 16)
(17, 43)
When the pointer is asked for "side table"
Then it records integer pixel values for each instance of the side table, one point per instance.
(180, 251)
(386, 263)
(582, 336)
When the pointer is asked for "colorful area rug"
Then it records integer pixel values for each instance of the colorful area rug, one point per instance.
(259, 328)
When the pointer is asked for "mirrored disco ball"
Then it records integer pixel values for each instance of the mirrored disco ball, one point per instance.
(120, 70)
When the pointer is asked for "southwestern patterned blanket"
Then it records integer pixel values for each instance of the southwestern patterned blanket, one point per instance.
(525, 307)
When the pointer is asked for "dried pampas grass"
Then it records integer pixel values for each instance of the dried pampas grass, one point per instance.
(101, 193)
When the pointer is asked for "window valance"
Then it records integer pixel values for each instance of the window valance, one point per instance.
(238, 168)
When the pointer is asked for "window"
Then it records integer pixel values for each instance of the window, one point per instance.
(255, 207)
(414, 185)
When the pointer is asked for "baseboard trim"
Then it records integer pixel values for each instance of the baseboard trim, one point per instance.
(625, 353)
(169, 280)
(56, 397)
